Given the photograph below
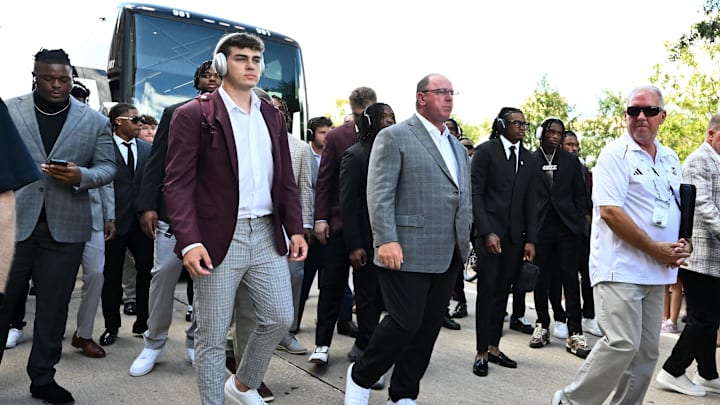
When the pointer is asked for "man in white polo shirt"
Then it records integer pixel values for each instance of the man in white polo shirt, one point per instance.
(634, 252)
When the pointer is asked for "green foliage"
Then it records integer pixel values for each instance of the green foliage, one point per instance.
(471, 131)
(545, 102)
(691, 95)
(706, 31)
(607, 125)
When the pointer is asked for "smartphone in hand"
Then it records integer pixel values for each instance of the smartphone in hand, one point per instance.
(58, 162)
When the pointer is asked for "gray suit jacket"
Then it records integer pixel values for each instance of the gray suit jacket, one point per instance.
(301, 157)
(703, 170)
(102, 205)
(413, 200)
(85, 140)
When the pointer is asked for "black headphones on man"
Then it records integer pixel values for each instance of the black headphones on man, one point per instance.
(310, 133)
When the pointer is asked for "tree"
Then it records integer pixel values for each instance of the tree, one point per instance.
(701, 32)
(545, 102)
(607, 125)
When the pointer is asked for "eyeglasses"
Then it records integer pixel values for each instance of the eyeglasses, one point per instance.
(520, 124)
(442, 92)
(134, 120)
(649, 111)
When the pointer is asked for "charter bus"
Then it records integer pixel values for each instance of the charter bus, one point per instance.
(155, 50)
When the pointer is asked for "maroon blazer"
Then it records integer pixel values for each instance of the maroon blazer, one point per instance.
(327, 189)
(201, 184)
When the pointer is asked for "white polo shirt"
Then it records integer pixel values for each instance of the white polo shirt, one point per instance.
(626, 176)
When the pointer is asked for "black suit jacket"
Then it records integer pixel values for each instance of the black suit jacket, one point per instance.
(151, 196)
(353, 198)
(504, 203)
(567, 194)
(127, 187)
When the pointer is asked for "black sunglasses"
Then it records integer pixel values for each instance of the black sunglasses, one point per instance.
(649, 111)
(135, 120)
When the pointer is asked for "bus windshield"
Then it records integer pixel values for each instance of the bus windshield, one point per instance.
(155, 52)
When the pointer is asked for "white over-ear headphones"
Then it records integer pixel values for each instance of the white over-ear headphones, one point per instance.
(220, 60)
(539, 130)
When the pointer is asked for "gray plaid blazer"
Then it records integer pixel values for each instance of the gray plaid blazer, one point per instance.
(413, 200)
(85, 140)
(302, 157)
(702, 169)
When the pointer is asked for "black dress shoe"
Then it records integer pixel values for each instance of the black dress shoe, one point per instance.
(460, 311)
(449, 323)
(108, 337)
(139, 328)
(347, 328)
(502, 360)
(129, 309)
(526, 328)
(480, 367)
(188, 314)
(52, 393)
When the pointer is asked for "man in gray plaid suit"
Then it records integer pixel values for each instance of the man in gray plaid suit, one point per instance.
(72, 145)
(418, 190)
(701, 277)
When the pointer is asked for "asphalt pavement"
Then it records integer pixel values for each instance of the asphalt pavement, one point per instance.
(448, 380)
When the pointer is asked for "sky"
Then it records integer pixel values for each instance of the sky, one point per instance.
(495, 53)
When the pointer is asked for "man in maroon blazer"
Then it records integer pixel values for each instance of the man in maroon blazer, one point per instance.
(230, 193)
(333, 279)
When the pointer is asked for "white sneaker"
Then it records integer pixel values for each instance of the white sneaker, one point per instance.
(680, 384)
(591, 326)
(404, 401)
(145, 362)
(379, 384)
(290, 344)
(557, 398)
(355, 394)
(320, 355)
(190, 355)
(249, 397)
(15, 336)
(708, 385)
(560, 330)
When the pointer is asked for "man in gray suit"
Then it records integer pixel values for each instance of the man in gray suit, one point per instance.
(420, 212)
(71, 143)
(700, 277)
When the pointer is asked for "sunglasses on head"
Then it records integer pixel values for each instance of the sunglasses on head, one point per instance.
(649, 111)
(134, 120)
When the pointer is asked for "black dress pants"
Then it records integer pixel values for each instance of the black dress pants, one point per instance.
(53, 267)
(557, 255)
(314, 264)
(697, 341)
(496, 273)
(332, 283)
(415, 304)
(141, 248)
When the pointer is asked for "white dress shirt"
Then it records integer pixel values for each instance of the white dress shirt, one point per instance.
(442, 142)
(254, 155)
(124, 149)
(506, 145)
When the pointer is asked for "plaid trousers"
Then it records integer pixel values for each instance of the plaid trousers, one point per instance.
(252, 259)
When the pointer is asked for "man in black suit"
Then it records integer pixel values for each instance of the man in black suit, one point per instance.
(130, 157)
(356, 222)
(505, 214)
(561, 206)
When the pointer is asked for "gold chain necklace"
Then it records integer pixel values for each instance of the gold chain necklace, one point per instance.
(52, 114)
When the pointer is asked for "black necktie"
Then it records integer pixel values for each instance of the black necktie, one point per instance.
(130, 159)
(513, 159)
